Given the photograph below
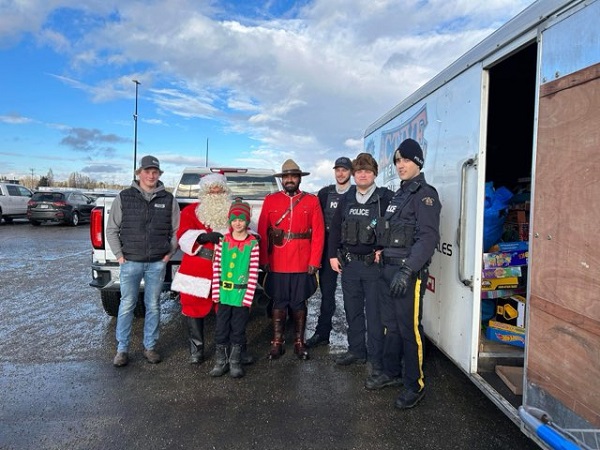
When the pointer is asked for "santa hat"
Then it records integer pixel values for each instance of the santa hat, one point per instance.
(239, 210)
(212, 179)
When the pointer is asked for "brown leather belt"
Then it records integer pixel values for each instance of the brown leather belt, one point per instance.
(297, 235)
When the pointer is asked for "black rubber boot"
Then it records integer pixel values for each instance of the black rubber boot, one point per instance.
(196, 338)
(235, 363)
(247, 358)
(221, 361)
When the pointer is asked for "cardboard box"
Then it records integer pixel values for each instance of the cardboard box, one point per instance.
(511, 310)
(499, 293)
(504, 259)
(502, 272)
(493, 284)
(505, 336)
(514, 246)
(514, 231)
(506, 327)
(517, 216)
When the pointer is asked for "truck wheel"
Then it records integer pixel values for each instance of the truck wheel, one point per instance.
(111, 301)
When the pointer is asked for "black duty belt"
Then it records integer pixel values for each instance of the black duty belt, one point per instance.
(393, 261)
(206, 253)
(297, 235)
(358, 256)
(230, 286)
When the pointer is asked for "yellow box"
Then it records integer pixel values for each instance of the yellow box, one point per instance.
(492, 284)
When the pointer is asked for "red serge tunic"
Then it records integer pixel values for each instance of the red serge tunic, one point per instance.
(294, 255)
(193, 280)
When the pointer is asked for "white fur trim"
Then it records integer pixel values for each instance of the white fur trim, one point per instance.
(188, 240)
(196, 286)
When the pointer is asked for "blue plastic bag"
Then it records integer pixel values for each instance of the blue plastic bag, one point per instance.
(494, 215)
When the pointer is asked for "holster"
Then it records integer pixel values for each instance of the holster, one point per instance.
(275, 238)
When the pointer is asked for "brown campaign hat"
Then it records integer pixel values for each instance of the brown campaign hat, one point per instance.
(291, 168)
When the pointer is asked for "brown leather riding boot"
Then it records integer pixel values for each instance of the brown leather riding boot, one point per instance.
(300, 348)
(277, 349)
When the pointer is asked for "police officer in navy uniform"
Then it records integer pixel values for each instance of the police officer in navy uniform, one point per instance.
(352, 253)
(329, 198)
(409, 235)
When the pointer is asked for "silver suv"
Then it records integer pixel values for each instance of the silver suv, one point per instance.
(13, 201)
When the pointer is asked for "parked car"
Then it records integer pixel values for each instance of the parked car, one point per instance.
(13, 201)
(70, 207)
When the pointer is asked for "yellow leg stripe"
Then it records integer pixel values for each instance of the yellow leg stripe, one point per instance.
(417, 304)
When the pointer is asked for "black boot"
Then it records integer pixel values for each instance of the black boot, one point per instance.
(196, 338)
(247, 358)
(221, 361)
(235, 363)
(300, 348)
(277, 349)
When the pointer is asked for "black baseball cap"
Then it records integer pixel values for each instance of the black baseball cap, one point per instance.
(343, 162)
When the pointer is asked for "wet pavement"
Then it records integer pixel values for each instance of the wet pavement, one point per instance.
(59, 390)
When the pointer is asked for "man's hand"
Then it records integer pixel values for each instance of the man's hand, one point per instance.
(335, 264)
(213, 236)
(312, 270)
(400, 282)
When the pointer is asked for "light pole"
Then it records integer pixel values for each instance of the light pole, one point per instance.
(135, 116)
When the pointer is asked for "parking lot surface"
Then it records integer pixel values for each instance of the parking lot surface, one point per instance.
(60, 390)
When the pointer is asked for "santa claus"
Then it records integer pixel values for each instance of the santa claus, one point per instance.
(202, 226)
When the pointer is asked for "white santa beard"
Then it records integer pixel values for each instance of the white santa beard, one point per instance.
(212, 211)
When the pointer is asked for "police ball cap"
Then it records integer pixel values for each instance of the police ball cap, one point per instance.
(365, 161)
(344, 162)
(410, 149)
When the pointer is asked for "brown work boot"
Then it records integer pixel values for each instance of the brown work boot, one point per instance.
(300, 348)
(121, 359)
(152, 356)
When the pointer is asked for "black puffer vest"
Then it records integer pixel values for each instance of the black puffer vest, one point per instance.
(146, 226)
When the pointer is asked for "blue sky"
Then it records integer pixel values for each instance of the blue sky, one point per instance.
(262, 81)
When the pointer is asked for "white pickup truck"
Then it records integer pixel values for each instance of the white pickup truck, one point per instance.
(13, 201)
(250, 184)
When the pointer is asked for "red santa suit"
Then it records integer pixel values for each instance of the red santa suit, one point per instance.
(193, 280)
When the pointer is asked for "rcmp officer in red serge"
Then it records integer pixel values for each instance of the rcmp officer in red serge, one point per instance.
(409, 235)
(351, 251)
(291, 225)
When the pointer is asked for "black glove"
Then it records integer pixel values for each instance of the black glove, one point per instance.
(400, 282)
(265, 268)
(312, 270)
(213, 236)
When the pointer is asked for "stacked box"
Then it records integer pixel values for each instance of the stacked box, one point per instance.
(502, 272)
(505, 336)
(492, 284)
(511, 311)
(504, 259)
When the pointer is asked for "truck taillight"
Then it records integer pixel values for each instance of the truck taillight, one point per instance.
(97, 228)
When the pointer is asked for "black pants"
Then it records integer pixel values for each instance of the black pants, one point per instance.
(327, 286)
(230, 327)
(404, 338)
(290, 289)
(359, 286)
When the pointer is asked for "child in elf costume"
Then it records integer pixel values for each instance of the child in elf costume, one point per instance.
(235, 274)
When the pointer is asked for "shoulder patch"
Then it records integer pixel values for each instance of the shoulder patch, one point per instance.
(429, 201)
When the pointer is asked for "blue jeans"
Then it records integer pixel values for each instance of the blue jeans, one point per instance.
(132, 274)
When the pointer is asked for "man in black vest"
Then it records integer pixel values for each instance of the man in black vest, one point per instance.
(351, 251)
(329, 198)
(141, 232)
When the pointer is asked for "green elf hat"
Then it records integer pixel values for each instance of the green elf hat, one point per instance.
(239, 210)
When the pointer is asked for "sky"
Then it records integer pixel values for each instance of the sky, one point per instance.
(221, 83)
